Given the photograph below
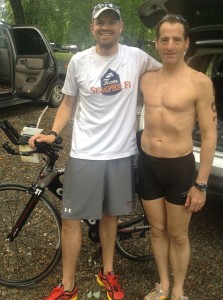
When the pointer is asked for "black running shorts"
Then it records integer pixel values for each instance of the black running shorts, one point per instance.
(170, 178)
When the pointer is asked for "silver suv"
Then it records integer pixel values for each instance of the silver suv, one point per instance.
(206, 55)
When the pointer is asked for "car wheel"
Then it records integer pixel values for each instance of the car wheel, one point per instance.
(56, 95)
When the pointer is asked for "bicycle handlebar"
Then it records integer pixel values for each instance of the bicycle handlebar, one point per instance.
(43, 148)
(17, 139)
(11, 132)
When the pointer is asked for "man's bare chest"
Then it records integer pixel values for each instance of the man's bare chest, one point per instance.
(176, 96)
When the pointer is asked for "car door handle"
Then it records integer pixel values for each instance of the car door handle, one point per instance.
(23, 61)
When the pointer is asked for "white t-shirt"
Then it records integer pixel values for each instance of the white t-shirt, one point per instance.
(107, 88)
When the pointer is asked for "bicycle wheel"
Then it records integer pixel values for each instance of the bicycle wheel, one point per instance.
(35, 251)
(133, 240)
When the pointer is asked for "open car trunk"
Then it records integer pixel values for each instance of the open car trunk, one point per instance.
(151, 11)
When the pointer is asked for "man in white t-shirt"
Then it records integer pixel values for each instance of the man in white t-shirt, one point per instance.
(102, 83)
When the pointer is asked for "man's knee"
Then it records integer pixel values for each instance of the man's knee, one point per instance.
(108, 218)
(158, 231)
(70, 225)
(179, 239)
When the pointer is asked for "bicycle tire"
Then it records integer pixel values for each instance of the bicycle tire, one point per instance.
(36, 250)
(133, 241)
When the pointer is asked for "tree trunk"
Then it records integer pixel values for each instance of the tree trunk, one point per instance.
(17, 11)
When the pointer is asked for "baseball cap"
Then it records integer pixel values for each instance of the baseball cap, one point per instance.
(99, 8)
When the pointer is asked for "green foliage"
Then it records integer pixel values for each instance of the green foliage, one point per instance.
(68, 21)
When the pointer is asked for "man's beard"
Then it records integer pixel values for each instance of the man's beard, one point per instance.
(107, 46)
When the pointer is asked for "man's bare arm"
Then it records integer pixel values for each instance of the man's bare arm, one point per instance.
(207, 119)
(64, 113)
(62, 117)
(205, 107)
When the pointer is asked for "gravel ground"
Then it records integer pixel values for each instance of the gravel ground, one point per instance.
(204, 279)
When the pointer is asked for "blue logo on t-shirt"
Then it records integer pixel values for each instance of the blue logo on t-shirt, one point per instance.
(110, 83)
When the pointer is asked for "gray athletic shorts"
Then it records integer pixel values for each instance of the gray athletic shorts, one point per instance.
(93, 187)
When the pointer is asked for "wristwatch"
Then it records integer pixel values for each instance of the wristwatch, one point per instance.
(53, 133)
(201, 186)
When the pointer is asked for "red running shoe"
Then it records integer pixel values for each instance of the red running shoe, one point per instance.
(110, 282)
(58, 293)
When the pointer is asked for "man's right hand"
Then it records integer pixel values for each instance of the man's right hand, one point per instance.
(40, 138)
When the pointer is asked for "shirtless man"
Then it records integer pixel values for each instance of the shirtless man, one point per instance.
(174, 98)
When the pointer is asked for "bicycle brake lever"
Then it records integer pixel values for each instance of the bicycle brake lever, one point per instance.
(56, 147)
(58, 140)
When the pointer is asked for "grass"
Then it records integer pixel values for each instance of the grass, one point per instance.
(64, 56)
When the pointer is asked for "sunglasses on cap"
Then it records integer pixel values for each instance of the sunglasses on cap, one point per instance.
(99, 8)
(172, 17)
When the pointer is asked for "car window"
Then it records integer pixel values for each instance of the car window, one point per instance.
(201, 61)
(218, 67)
(29, 42)
(149, 47)
(4, 42)
(5, 63)
(210, 67)
(215, 66)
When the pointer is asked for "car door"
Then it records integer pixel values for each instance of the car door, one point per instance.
(35, 65)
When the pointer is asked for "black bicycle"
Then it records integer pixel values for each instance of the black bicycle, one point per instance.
(30, 223)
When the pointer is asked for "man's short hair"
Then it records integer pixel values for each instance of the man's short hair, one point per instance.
(172, 19)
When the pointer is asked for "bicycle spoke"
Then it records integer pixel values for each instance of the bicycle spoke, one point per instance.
(30, 256)
(133, 240)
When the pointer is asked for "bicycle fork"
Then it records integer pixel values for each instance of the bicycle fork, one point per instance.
(36, 194)
(36, 190)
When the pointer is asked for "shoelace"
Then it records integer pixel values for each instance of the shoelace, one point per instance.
(56, 292)
(113, 281)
